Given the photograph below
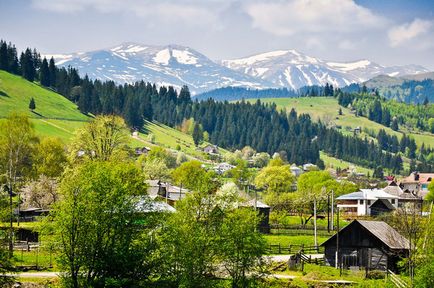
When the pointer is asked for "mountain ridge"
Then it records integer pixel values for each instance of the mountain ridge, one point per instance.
(178, 65)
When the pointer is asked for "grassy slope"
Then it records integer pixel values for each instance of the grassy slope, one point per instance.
(327, 108)
(54, 115)
(170, 138)
(58, 117)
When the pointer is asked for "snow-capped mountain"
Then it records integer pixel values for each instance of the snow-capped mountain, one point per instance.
(178, 65)
(166, 65)
(292, 69)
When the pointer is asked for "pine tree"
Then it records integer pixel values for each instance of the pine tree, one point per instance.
(28, 69)
(52, 70)
(394, 125)
(44, 74)
(4, 63)
(32, 104)
(197, 134)
(426, 101)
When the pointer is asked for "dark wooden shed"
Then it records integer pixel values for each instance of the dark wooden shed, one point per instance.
(369, 244)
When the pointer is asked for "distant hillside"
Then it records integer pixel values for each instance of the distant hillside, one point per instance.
(409, 88)
(238, 93)
(54, 114)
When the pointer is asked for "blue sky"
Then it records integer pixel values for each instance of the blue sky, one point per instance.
(389, 32)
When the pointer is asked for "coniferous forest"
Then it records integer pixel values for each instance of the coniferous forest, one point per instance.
(229, 125)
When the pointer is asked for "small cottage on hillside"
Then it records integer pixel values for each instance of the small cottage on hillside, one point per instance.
(369, 244)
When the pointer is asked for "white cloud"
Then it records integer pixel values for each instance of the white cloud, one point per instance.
(168, 11)
(406, 32)
(284, 18)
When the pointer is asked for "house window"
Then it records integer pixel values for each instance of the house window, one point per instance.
(369, 202)
(393, 201)
(361, 202)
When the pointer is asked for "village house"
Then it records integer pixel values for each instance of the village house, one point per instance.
(309, 167)
(417, 183)
(166, 191)
(373, 245)
(370, 202)
(403, 196)
(211, 149)
(295, 170)
(142, 150)
(222, 168)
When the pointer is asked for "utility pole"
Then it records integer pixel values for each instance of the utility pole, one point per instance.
(8, 190)
(333, 207)
(314, 221)
(328, 213)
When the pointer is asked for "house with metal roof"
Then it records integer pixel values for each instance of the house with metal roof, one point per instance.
(373, 245)
(367, 202)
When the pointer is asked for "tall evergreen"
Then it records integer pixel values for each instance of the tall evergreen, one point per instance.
(4, 63)
(44, 73)
(197, 134)
(27, 64)
(52, 71)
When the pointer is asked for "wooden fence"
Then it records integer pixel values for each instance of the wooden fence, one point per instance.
(299, 230)
(293, 249)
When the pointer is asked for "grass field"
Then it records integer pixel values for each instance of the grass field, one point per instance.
(331, 162)
(171, 138)
(54, 114)
(286, 240)
(326, 109)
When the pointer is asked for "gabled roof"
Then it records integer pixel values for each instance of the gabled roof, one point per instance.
(385, 202)
(380, 230)
(367, 194)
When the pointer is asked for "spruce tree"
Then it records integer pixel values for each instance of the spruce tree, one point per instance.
(3, 56)
(52, 70)
(197, 134)
(44, 74)
(32, 104)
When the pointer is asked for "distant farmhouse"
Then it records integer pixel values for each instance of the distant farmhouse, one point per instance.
(211, 149)
(166, 191)
(222, 168)
(369, 244)
(367, 202)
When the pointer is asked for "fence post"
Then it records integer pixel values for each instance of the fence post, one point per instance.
(289, 252)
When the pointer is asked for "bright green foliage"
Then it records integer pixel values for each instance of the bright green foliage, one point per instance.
(162, 155)
(190, 240)
(275, 179)
(16, 145)
(50, 157)
(104, 138)
(96, 225)
(192, 176)
(430, 195)
(241, 247)
(154, 169)
(206, 235)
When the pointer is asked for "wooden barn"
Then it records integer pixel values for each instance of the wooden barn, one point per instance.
(373, 245)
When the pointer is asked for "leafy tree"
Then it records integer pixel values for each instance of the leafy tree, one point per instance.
(378, 173)
(154, 168)
(97, 226)
(17, 141)
(50, 157)
(192, 176)
(241, 246)
(32, 104)
(103, 138)
(41, 193)
(191, 259)
(160, 154)
(275, 179)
